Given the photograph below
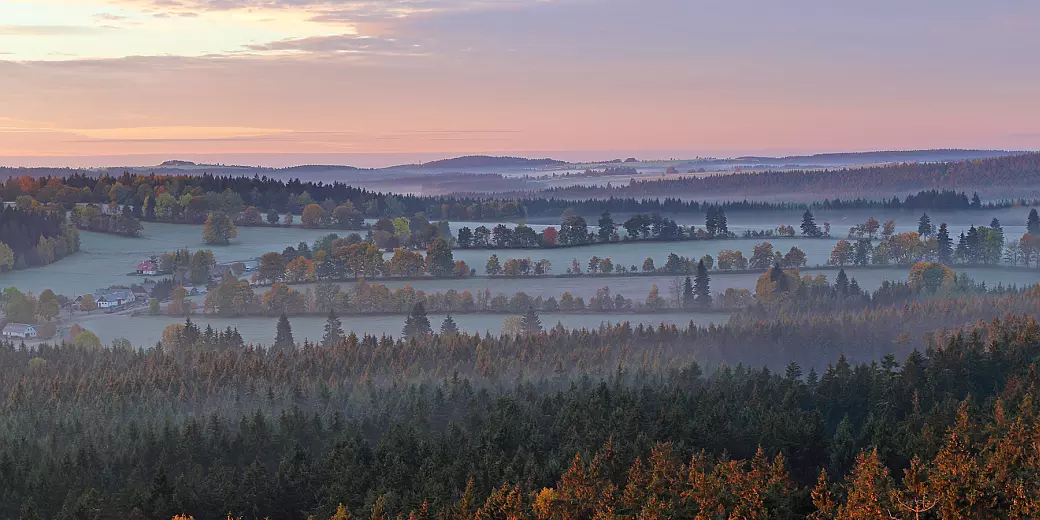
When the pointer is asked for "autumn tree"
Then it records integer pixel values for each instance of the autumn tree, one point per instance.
(550, 236)
(179, 304)
(87, 340)
(888, 229)
(87, 303)
(6, 258)
(731, 259)
(794, 258)
(868, 487)
(493, 267)
(251, 217)
(314, 216)
(842, 254)
(762, 257)
(47, 305)
(219, 229)
(653, 300)
(930, 276)
(299, 270)
(406, 263)
(439, 259)
(271, 267)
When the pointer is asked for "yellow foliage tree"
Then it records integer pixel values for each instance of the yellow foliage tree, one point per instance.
(930, 276)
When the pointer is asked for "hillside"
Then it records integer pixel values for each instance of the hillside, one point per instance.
(486, 161)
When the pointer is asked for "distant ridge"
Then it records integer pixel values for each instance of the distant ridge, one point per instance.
(884, 156)
(487, 161)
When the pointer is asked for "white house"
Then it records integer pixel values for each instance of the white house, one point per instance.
(108, 298)
(19, 330)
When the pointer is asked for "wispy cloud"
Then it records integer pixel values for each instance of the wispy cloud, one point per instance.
(343, 43)
(47, 30)
(328, 11)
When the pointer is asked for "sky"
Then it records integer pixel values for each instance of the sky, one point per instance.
(375, 82)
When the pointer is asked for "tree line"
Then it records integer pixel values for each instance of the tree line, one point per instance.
(262, 200)
(34, 237)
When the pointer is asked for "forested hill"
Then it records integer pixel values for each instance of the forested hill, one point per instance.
(885, 156)
(1014, 176)
(485, 161)
(178, 167)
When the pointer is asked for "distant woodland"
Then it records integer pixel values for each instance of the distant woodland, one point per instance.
(30, 238)
(1000, 176)
(255, 201)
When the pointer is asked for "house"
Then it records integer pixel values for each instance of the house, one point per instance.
(218, 272)
(143, 290)
(148, 268)
(19, 330)
(113, 297)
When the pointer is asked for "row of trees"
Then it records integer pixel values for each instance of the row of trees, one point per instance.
(247, 198)
(91, 218)
(238, 298)
(34, 237)
(984, 245)
(341, 259)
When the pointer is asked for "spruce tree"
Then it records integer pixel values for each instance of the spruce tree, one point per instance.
(841, 283)
(701, 286)
(924, 226)
(530, 323)
(863, 250)
(417, 323)
(333, 330)
(945, 245)
(809, 227)
(448, 326)
(721, 225)
(1033, 222)
(688, 298)
(606, 227)
(777, 276)
(973, 244)
(283, 337)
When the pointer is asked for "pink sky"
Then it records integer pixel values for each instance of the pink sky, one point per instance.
(293, 81)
